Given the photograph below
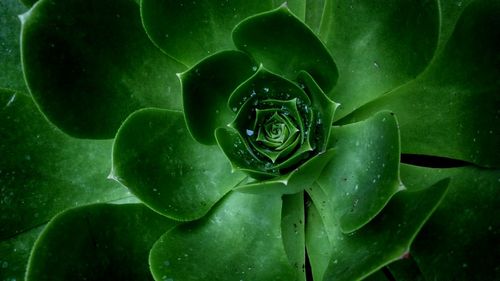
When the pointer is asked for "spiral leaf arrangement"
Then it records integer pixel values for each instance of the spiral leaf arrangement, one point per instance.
(250, 142)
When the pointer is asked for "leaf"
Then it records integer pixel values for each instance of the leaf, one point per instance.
(377, 276)
(314, 14)
(206, 87)
(97, 242)
(293, 231)
(450, 12)
(324, 107)
(205, 250)
(297, 7)
(386, 45)
(11, 76)
(43, 171)
(157, 159)
(191, 30)
(386, 238)
(297, 180)
(452, 110)
(363, 174)
(285, 46)
(263, 85)
(462, 236)
(14, 254)
(406, 269)
(28, 3)
(264, 90)
(89, 64)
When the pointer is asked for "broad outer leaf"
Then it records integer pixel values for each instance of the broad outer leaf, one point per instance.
(450, 12)
(240, 239)
(206, 88)
(11, 76)
(463, 235)
(314, 14)
(191, 30)
(364, 172)
(406, 269)
(453, 109)
(377, 46)
(43, 171)
(285, 45)
(385, 239)
(377, 276)
(89, 64)
(97, 242)
(157, 159)
(293, 231)
(14, 254)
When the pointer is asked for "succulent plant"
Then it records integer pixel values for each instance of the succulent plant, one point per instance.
(248, 140)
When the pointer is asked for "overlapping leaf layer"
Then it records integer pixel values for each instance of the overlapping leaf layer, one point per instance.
(252, 140)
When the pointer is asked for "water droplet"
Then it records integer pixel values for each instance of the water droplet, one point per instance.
(250, 133)
(266, 89)
(235, 109)
(254, 68)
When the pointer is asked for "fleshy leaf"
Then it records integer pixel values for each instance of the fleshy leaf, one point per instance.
(385, 239)
(206, 87)
(297, 180)
(462, 236)
(265, 85)
(386, 45)
(14, 254)
(97, 242)
(240, 239)
(285, 45)
(240, 156)
(28, 3)
(377, 276)
(314, 14)
(190, 30)
(11, 76)
(364, 173)
(453, 109)
(157, 159)
(406, 269)
(293, 231)
(324, 107)
(43, 171)
(89, 68)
